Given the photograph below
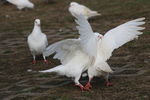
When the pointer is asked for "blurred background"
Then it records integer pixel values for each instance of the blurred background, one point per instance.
(132, 83)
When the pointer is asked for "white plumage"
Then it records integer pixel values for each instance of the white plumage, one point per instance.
(62, 49)
(73, 60)
(76, 8)
(88, 38)
(21, 4)
(91, 51)
(103, 48)
(37, 41)
(120, 35)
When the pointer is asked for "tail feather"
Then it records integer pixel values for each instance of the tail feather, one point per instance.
(104, 67)
(30, 5)
(49, 70)
(57, 69)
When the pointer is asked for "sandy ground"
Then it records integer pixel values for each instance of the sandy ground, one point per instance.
(131, 80)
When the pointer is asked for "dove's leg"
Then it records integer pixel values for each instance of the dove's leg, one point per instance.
(45, 61)
(107, 83)
(34, 56)
(91, 72)
(77, 83)
(34, 61)
(88, 85)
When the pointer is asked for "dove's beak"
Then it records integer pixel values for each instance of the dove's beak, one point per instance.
(38, 25)
(100, 37)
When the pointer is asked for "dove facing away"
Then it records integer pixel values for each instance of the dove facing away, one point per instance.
(21, 4)
(76, 8)
(73, 60)
(37, 41)
(100, 47)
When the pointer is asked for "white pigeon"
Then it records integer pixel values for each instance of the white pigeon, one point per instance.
(22, 4)
(73, 60)
(76, 8)
(102, 49)
(37, 41)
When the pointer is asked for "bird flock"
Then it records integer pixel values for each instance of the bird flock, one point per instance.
(89, 52)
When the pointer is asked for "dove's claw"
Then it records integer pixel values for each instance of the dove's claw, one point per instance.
(34, 62)
(45, 61)
(81, 87)
(88, 86)
(108, 84)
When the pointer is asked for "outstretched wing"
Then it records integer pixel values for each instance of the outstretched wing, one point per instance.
(120, 35)
(87, 36)
(63, 49)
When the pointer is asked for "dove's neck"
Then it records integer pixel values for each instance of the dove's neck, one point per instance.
(37, 29)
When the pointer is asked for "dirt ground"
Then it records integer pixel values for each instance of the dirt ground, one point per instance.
(131, 79)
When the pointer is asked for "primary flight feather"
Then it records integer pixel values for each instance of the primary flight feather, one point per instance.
(89, 39)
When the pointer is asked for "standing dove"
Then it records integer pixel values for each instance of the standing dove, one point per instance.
(21, 4)
(37, 41)
(76, 8)
(102, 49)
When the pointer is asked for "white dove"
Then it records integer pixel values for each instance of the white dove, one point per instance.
(102, 49)
(22, 4)
(37, 41)
(73, 60)
(76, 8)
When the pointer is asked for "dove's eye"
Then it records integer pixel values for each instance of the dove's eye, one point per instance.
(36, 22)
(99, 36)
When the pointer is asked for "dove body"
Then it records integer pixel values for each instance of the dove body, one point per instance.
(103, 47)
(37, 41)
(76, 8)
(21, 4)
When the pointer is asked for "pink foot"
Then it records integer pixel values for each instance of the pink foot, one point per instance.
(88, 86)
(108, 84)
(45, 61)
(34, 62)
(81, 87)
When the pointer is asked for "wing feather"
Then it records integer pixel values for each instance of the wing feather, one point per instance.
(120, 35)
(87, 36)
(63, 49)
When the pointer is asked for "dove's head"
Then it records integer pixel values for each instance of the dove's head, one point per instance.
(99, 36)
(37, 22)
(73, 3)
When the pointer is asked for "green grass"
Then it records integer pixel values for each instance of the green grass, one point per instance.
(146, 32)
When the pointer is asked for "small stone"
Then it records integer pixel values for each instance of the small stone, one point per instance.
(7, 16)
(29, 70)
